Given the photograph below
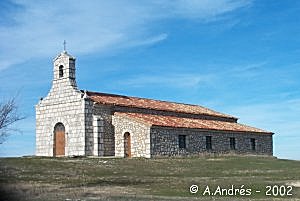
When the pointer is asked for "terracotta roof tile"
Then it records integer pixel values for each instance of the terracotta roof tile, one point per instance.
(178, 122)
(112, 99)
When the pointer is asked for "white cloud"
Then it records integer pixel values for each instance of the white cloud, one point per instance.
(267, 115)
(175, 80)
(206, 9)
(248, 67)
(36, 29)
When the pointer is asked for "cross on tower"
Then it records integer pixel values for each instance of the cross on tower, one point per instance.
(65, 43)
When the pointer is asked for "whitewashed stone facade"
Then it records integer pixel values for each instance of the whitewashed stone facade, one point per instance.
(64, 104)
(94, 124)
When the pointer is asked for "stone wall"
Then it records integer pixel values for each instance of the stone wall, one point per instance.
(89, 127)
(102, 113)
(164, 142)
(140, 137)
(98, 127)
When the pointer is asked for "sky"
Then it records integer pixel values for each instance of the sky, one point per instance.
(239, 57)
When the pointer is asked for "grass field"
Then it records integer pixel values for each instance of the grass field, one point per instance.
(146, 179)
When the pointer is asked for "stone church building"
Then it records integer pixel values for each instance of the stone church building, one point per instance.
(73, 122)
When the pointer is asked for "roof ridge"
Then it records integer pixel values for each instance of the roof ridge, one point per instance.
(119, 95)
(164, 101)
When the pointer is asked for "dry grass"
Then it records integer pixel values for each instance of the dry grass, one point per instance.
(141, 179)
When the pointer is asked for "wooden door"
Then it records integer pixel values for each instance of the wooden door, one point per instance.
(60, 143)
(127, 145)
(59, 140)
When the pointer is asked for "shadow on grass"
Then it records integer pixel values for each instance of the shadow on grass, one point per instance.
(8, 194)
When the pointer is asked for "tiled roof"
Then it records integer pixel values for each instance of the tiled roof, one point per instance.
(112, 99)
(179, 122)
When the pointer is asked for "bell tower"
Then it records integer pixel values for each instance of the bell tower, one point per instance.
(64, 70)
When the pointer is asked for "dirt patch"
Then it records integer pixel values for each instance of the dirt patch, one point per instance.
(216, 159)
(258, 171)
(294, 183)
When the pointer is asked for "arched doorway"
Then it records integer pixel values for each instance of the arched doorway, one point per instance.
(59, 140)
(127, 145)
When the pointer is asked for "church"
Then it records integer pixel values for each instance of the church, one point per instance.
(74, 122)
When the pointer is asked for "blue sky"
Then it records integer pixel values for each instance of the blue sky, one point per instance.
(238, 57)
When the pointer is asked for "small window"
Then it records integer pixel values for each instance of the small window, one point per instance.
(182, 141)
(208, 143)
(253, 144)
(61, 71)
(232, 143)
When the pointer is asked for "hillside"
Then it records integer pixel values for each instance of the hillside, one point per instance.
(148, 179)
